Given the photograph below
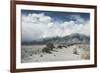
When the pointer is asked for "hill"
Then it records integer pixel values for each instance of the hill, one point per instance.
(69, 39)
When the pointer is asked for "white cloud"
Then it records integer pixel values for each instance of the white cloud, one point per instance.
(38, 26)
(78, 19)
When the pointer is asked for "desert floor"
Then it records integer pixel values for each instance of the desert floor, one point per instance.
(33, 53)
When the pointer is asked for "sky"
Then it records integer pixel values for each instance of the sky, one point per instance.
(37, 25)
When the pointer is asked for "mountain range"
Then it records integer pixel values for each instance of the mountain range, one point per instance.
(69, 39)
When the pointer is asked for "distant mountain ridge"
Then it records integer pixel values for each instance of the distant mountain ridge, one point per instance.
(69, 39)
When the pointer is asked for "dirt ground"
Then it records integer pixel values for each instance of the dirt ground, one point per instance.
(33, 53)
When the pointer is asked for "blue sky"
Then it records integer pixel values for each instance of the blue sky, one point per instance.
(37, 25)
(59, 16)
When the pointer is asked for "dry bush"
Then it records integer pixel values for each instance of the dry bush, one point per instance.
(85, 55)
(46, 50)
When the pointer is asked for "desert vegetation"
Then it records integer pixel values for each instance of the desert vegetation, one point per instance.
(54, 52)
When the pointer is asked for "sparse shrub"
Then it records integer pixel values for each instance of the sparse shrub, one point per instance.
(85, 55)
(24, 54)
(41, 55)
(25, 51)
(64, 46)
(59, 46)
(30, 54)
(54, 55)
(50, 46)
(47, 50)
(75, 51)
(35, 52)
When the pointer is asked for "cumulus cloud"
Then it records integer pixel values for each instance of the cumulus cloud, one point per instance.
(39, 26)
